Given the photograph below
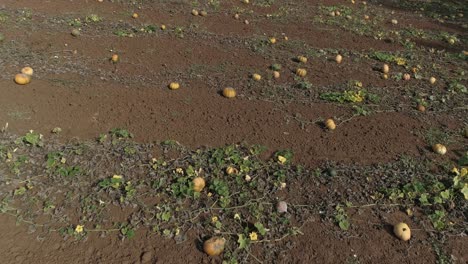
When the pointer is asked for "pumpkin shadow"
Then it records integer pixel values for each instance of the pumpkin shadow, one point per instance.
(199, 243)
(389, 229)
(295, 60)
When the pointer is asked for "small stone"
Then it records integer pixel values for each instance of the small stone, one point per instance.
(75, 32)
(56, 130)
(282, 207)
(146, 257)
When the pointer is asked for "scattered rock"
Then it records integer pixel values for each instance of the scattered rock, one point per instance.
(75, 32)
(146, 257)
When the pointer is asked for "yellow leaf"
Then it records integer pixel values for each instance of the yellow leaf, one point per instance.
(409, 212)
(79, 229)
(253, 236)
(237, 216)
(282, 159)
(464, 172)
(400, 61)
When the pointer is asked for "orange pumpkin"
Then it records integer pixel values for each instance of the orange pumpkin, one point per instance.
(301, 72)
(439, 149)
(302, 59)
(256, 77)
(214, 246)
(174, 86)
(231, 170)
(385, 68)
(27, 70)
(402, 231)
(115, 58)
(338, 58)
(22, 78)
(330, 124)
(198, 184)
(229, 92)
(276, 74)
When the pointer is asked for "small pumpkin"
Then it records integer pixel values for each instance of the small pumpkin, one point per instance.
(330, 124)
(385, 68)
(406, 76)
(256, 77)
(214, 246)
(198, 184)
(174, 85)
(115, 58)
(276, 74)
(27, 70)
(272, 40)
(338, 58)
(432, 80)
(194, 12)
(22, 78)
(229, 92)
(301, 72)
(439, 149)
(135, 15)
(421, 108)
(402, 231)
(231, 170)
(163, 27)
(236, 16)
(203, 13)
(302, 59)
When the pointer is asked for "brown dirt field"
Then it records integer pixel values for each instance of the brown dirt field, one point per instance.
(77, 88)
